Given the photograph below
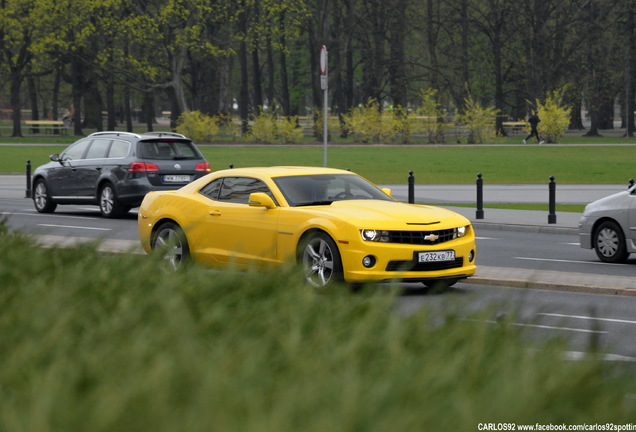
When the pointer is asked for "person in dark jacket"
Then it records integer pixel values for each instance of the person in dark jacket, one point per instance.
(534, 122)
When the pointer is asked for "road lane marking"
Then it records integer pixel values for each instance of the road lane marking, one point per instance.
(486, 238)
(34, 213)
(75, 227)
(547, 327)
(588, 318)
(566, 261)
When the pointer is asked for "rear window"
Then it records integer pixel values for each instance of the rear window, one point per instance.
(168, 149)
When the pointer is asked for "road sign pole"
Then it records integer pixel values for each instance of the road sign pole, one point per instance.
(324, 83)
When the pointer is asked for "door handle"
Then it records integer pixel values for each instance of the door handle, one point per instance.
(215, 212)
(98, 168)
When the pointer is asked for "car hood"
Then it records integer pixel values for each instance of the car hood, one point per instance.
(616, 201)
(393, 215)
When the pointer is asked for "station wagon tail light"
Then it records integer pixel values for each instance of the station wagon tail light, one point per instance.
(375, 235)
(142, 167)
(204, 166)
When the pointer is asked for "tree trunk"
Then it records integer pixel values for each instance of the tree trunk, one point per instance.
(16, 105)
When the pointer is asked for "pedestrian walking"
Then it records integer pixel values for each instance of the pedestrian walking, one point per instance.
(534, 121)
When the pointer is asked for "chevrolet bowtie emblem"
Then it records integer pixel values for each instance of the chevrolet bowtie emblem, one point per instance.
(431, 237)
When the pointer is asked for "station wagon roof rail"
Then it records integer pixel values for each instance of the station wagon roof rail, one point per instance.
(118, 133)
(169, 134)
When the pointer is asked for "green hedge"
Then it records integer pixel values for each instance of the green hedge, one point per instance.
(97, 342)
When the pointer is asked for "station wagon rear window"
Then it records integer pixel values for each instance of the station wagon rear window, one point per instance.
(168, 150)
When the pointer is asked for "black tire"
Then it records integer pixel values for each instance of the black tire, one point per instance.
(170, 240)
(41, 198)
(609, 243)
(320, 259)
(108, 204)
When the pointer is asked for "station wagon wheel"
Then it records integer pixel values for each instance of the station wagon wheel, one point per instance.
(171, 241)
(609, 243)
(320, 260)
(41, 198)
(108, 204)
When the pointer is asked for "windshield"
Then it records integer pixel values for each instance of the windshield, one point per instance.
(323, 189)
(168, 150)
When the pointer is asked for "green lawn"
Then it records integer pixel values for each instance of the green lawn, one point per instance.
(450, 164)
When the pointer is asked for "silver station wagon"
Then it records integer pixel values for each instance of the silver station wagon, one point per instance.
(115, 170)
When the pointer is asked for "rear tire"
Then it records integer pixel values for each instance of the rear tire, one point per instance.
(108, 204)
(170, 240)
(609, 243)
(320, 259)
(41, 198)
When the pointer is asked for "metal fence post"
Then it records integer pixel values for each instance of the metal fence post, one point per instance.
(411, 188)
(552, 219)
(28, 180)
(479, 214)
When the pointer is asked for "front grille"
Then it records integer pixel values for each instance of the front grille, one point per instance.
(420, 237)
(423, 267)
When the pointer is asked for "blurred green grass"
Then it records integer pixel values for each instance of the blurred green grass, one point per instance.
(431, 164)
(112, 342)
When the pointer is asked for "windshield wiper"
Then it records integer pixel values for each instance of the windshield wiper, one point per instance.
(314, 203)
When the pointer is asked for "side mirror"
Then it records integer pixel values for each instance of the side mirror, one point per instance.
(260, 199)
(387, 191)
(55, 158)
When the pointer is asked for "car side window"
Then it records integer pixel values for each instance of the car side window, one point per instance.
(234, 189)
(76, 151)
(98, 149)
(211, 190)
(118, 149)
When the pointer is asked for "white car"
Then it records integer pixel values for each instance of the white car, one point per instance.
(608, 226)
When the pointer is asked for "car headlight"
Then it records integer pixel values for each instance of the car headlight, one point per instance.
(460, 232)
(374, 235)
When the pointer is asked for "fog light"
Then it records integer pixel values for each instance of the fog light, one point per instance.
(471, 256)
(368, 261)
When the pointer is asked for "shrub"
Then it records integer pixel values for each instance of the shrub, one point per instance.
(289, 131)
(555, 117)
(264, 128)
(367, 125)
(478, 120)
(197, 126)
(433, 116)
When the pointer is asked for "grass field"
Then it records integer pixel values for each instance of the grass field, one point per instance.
(130, 347)
(607, 164)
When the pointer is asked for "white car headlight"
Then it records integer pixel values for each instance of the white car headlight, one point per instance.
(374, 235)
(460, 232)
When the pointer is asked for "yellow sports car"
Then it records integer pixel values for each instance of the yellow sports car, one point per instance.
(336, 224)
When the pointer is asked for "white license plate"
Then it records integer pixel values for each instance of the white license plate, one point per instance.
(447, 255)
(176, 179)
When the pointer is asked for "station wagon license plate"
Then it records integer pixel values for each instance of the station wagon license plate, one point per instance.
(176, 179)
(437, 256)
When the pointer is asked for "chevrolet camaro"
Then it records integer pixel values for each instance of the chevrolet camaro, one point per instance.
(337, 225)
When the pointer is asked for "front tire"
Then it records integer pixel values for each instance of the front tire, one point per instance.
(170, 240)
(42, 199)
(108, 204)
(609, 243)
(320, 260)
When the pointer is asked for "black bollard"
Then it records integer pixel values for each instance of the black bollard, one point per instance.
(28, 180)
(631, 183)
(479, 214)
(411, 188)
(231, 166)
(552, 219)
